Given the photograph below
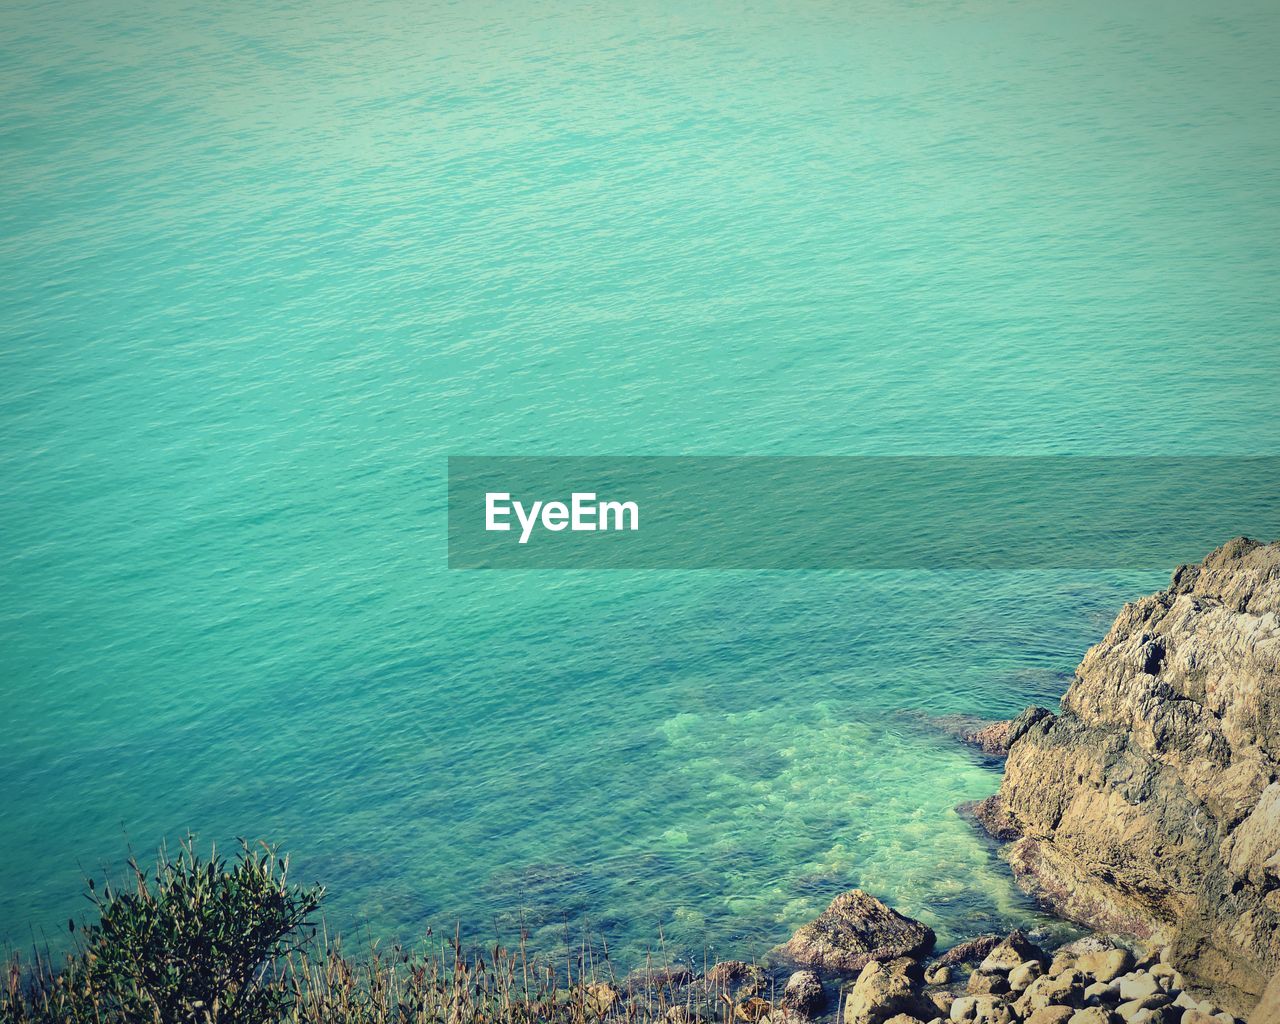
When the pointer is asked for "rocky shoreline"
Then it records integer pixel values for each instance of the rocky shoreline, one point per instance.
(1147, 809)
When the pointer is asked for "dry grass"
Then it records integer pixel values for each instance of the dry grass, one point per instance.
(201, 941)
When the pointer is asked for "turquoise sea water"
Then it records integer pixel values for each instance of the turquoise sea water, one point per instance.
(263, 266)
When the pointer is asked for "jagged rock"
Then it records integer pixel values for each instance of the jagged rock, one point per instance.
(803, 992)
(1024, 974)
(1148, 807)
(971, 952)
(992, 738)
(990, 814)
(1014, 950)
(854, 930)
(884, 990)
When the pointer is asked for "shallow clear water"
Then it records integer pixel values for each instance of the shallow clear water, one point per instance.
(263, 266)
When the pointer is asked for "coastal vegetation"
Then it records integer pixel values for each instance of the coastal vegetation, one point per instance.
(200, 940)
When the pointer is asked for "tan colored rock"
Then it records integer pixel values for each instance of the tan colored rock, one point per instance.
(884, 990)
(1062, 961)
(1148, 806)
(1131, 1008)
(601, 998)
(1268, 1009)
(1105, 965)
(1102, 992)
(903, 1018)
(1063, 990)
(1092, 1015)
(987, 983)
(854, 930)
(1014, 950)
(992, 1010)
(1051, 1015)
(753, 1010)
(1138, 985)
(938, 974)
(1024, 974)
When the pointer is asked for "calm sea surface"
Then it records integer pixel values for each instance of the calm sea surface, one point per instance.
(264, 265)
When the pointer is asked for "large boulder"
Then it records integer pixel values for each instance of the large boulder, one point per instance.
(885, 990)
(1149, 807)
(854, 930)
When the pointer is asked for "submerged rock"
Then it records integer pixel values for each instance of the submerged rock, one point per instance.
(853, 931)
(1150, 807)
(990, 814)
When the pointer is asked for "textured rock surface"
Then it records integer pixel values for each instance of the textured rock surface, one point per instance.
(885, 990)
(974, 951)
(1150, 805)
(854, 930)
(803, 993)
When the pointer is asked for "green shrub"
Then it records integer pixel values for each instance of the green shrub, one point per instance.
(197, 942)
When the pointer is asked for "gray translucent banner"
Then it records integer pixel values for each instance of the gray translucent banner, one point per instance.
(945, 512)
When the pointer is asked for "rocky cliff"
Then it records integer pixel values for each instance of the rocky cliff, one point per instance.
(1150, 806)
